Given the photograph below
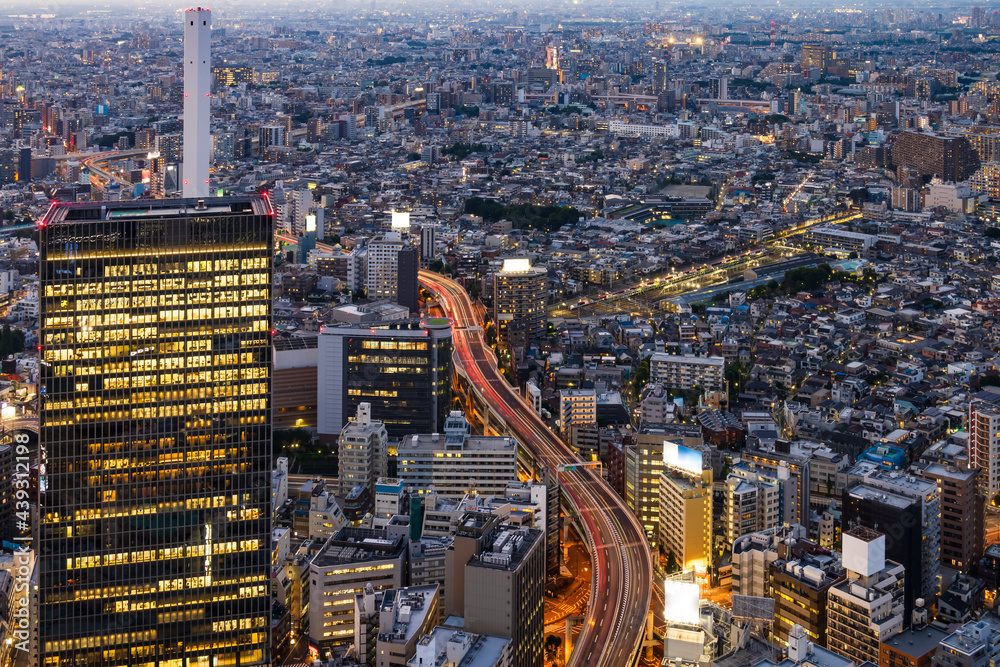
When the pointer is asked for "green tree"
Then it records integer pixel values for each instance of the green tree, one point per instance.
(672, 564)
(641, 378)
(989, 380)
(11, 341)
(992, 233)
(734, 375)
(463, 150)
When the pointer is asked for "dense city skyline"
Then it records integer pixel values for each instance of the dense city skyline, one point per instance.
(568, 334)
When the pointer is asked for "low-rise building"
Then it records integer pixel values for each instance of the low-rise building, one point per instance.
(446, 647)
(350, 561)
(975, 644)
(388, 624)
(687, 372)
(456, 462)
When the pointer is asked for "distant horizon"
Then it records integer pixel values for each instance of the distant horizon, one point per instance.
(80, 9)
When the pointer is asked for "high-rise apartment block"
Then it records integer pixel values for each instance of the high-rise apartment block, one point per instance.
(428, 243)
(641, 468)
(351, 267)
(793, 466)
(753, 554)
(799, 583)
(223, 148)
(907, 509)
(962, 515)
(383, 266)
(984, 442)
(362, 451)
(270, 135)
(402, 368)
(949, 158)
(754, 501)
(170, 147)
(577, 407)
(231, 75)
(155, 335)
(519, 298)
(866, 608)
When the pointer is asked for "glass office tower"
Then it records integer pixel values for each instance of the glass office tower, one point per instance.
(155, 428)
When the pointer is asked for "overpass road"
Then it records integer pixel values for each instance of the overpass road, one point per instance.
(621, 564)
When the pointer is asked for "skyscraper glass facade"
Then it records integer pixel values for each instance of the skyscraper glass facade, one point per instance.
(155, 429)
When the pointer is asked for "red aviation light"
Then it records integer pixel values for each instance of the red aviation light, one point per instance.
(270, 208)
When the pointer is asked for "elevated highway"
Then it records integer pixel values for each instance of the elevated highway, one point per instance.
(622, 567)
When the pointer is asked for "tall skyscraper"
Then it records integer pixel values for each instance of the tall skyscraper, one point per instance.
(520, 293)
(197, 93)
(977, 17)
(661, 69)
(909, 510)
(815, 56)
(962, 515)
(155, 523)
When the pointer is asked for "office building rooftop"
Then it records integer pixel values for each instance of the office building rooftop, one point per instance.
(355, 545)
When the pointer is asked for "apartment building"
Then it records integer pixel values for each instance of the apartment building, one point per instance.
(687, 372)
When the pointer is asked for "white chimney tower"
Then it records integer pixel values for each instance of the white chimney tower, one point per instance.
(197, 90)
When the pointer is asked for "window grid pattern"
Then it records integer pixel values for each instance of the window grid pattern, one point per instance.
(156, 431)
